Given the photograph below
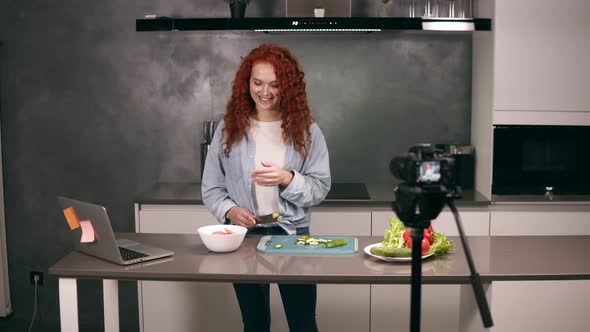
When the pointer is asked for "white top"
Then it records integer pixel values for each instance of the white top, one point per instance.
(269, 147)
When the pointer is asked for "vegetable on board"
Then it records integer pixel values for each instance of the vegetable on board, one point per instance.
(310, 241)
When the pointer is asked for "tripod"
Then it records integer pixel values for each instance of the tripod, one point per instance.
(430, 200)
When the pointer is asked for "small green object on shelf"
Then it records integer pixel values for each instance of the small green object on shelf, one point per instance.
(278, 246)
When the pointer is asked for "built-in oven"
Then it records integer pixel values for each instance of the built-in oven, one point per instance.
(541, 160)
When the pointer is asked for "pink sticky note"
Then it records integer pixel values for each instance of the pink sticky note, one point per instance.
(87, 231)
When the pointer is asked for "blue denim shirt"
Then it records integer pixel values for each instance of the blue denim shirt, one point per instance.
(226, 180)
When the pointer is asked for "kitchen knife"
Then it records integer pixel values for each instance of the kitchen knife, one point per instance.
(212, 126)
(273, 217)
(206, 132)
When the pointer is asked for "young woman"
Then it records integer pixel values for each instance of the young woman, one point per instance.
(268, 155)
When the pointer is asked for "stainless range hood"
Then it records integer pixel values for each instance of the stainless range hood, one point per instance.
(311, 24)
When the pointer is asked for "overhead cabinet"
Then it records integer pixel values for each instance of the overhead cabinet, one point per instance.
(541, 51)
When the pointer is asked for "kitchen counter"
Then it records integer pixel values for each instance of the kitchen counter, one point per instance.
(540, 199)
(506, 265)
(496, 258)
(381, 195)
(511, 268)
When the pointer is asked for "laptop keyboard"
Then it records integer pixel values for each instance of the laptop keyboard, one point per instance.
(127, 254)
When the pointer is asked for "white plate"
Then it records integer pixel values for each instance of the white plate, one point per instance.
(390, 259)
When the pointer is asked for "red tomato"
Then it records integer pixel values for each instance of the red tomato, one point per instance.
(428, 236)
(407, 235)
(408, 242)
(425, 245)
(430, 229)
(219, 233)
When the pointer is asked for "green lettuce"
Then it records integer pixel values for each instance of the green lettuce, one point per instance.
(393, 237)
(441, 244)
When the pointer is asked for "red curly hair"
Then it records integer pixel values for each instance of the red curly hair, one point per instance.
(293, 106)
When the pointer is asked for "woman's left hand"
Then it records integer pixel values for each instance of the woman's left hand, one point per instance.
(271, 175)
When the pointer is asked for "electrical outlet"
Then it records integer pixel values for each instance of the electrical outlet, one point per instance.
(32, 278)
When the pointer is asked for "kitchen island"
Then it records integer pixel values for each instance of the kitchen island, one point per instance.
(178, 208)
(502, 263)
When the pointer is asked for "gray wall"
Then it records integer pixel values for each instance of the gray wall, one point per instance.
(95, 110)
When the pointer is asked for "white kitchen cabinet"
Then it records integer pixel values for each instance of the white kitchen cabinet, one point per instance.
(339, 307)
(183, 306)
(172, 218)
(390, 304)
(540, 219)
(475, 221)
(541, 49)
(540, 306)
(541, 54)
(344, 221)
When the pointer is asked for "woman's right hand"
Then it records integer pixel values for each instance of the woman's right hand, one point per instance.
(241, 217)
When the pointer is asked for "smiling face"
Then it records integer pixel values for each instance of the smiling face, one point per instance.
(264, 89)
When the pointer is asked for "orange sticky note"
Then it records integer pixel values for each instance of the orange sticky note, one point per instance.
(72, 218)
(87, 231)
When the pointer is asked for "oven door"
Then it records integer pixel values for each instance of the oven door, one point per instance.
(534, 160)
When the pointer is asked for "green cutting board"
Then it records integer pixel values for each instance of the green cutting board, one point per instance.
(267, 245)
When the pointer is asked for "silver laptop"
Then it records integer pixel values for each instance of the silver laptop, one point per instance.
(105, 245)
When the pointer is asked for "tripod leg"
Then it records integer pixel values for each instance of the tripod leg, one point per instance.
(417, 236)
(478, 290)
(469, 315)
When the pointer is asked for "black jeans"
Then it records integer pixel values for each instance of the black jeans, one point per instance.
(299, 300)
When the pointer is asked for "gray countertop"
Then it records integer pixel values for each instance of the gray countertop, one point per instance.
(381, 195)
(496, 258)
(540, 199)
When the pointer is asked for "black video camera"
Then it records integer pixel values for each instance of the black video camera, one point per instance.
(424, 166)
(428, 181)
